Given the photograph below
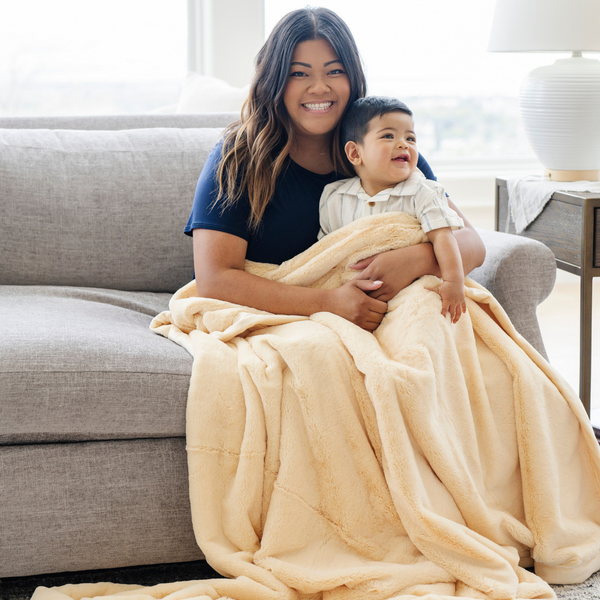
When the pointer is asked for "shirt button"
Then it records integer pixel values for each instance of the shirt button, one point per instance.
(371, 204)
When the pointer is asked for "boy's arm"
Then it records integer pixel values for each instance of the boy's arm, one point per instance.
(449, 259)
(447, 254)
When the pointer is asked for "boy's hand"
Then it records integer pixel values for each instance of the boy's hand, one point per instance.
(453, 299)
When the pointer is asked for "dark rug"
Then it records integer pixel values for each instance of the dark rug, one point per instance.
(21, 588)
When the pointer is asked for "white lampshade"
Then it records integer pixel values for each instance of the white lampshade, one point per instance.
(546, 26)
(560, 104)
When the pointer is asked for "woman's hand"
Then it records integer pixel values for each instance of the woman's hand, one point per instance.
(352, 302)
(397, 269)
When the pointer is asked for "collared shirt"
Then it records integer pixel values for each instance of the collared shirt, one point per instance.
(345, 201)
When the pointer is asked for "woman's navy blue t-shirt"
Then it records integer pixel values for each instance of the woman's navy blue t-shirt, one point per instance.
(290, 223)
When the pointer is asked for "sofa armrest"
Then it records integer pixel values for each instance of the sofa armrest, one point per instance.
(520, 273)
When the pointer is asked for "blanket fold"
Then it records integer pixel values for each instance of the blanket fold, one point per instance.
(425, 460)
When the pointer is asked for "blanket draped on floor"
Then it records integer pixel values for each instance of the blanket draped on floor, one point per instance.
(425, 460)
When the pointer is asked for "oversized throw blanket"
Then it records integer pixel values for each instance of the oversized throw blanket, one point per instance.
(426, 460)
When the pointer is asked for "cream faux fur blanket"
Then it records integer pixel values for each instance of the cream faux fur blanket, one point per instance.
(426, 460)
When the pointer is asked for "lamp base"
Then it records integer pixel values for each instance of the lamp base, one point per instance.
(560, 106)
(556, 175)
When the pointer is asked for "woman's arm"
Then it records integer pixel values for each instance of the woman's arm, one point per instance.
(219, 265)
(399, 268)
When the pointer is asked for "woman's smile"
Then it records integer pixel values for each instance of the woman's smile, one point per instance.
(318, 107)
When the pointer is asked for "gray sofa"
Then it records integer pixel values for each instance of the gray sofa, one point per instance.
(92, 404)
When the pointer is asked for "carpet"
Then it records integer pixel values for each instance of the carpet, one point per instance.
(21, 588)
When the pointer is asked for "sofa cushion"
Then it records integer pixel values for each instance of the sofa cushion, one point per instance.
(81, 364)
(99, 208)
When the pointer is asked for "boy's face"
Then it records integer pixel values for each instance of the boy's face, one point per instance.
(388, 153)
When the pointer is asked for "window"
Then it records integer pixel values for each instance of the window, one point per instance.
(433, 56)
(74, 57)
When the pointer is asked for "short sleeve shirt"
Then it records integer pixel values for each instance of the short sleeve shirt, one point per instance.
(345, 201)
(290, 223)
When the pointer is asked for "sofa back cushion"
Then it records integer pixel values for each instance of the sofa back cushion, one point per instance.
(99, 208)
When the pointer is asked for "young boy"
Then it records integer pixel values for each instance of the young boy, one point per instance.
(380, 142)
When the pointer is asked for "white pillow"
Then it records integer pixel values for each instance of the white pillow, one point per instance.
(204, 94)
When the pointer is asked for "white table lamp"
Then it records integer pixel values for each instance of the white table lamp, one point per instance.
(560, 104)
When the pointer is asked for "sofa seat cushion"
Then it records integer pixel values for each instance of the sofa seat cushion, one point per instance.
(80, 364)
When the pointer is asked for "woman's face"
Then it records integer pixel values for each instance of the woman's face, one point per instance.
(318, 88)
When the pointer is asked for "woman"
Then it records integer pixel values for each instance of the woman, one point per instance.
(259, 193)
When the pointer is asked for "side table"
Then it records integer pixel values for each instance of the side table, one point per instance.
(570, 226)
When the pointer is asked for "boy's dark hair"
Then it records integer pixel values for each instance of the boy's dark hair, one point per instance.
(355, 122)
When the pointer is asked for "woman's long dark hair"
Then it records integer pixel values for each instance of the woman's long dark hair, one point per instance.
(256, 148)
